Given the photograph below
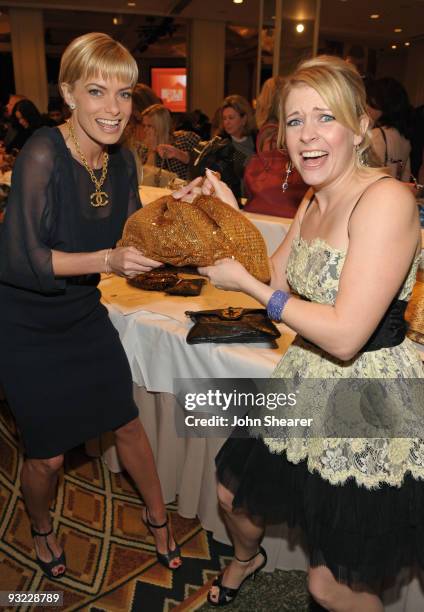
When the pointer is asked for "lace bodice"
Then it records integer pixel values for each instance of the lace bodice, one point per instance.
(314, 271)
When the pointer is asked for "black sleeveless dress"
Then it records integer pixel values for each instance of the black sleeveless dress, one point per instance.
(62, 365)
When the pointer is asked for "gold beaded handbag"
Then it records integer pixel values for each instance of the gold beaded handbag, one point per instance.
(197, 234)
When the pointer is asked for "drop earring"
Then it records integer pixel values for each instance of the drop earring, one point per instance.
(361, 156)
(289, 170)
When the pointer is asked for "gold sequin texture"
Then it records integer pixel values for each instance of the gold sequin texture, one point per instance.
(196, 234)
(415, 312)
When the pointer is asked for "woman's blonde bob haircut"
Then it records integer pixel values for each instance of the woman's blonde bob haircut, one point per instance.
(162, 122)
(341, 88)
(94, 55)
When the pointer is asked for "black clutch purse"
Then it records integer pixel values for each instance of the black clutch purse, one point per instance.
(232, 325)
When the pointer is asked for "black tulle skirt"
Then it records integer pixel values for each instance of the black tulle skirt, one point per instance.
(363, 536)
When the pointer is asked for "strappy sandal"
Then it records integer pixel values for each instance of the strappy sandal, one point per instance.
(227, 595)
(167, 558)
(47, 567)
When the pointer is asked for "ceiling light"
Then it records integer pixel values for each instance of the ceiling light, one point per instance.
(397, 30)
(407, 44)
(375, 16)
(300, 28)
(394, 46)
(131, 3)
(238, 1)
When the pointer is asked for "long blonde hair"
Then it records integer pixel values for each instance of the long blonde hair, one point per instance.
(162, 123)
(268, 102)
(341, 88)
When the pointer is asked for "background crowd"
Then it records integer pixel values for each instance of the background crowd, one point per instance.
(240, 141)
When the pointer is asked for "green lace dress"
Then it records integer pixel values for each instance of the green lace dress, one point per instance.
(359, 500)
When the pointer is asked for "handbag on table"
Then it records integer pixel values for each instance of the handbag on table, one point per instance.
(230, 325)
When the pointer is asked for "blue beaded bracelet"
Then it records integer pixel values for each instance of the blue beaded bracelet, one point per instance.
(276, 304)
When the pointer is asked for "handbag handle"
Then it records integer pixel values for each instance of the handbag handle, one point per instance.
(158, 174)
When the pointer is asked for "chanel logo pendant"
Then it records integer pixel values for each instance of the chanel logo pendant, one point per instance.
(99, 198)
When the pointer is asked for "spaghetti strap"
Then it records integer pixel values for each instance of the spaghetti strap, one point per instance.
(306, 210)
(360, 197)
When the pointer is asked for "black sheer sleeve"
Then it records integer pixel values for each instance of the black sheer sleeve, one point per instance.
(133, 196)
(25, 244)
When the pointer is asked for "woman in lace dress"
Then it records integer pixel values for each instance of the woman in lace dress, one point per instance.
(352, 253)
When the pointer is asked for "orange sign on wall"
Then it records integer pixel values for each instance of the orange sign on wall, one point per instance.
(170, 84)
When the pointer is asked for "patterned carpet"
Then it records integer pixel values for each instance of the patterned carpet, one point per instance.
(110, 555)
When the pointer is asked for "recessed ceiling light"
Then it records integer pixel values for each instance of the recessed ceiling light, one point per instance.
(397, 30)
(238, 1)
(375, 16)
(394, 46)
(300, 28)
(407, 44)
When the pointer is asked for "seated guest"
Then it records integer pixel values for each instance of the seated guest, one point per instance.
(272, 185)
(12, 127)
(162, 146)
(266, 113)
(391, 112)
(143, 97)
(237, 122)
(233, 144)
(27, 115)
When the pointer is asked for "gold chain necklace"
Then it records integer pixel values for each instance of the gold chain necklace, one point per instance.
(98, 198)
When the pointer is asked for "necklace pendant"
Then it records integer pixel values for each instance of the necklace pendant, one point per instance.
(99, 198)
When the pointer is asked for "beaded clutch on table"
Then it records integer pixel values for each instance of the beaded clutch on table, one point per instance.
(196, 234)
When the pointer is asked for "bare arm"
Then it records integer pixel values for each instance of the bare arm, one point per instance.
(167, 150)
(384, 236)
(122, 261)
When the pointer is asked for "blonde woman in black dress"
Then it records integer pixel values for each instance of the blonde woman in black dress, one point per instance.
(63, 368)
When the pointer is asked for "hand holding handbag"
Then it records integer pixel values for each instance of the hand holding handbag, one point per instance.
(232, 325)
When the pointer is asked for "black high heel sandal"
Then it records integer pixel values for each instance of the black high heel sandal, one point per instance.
(227, 595)
(164, 559)
(47, 567)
